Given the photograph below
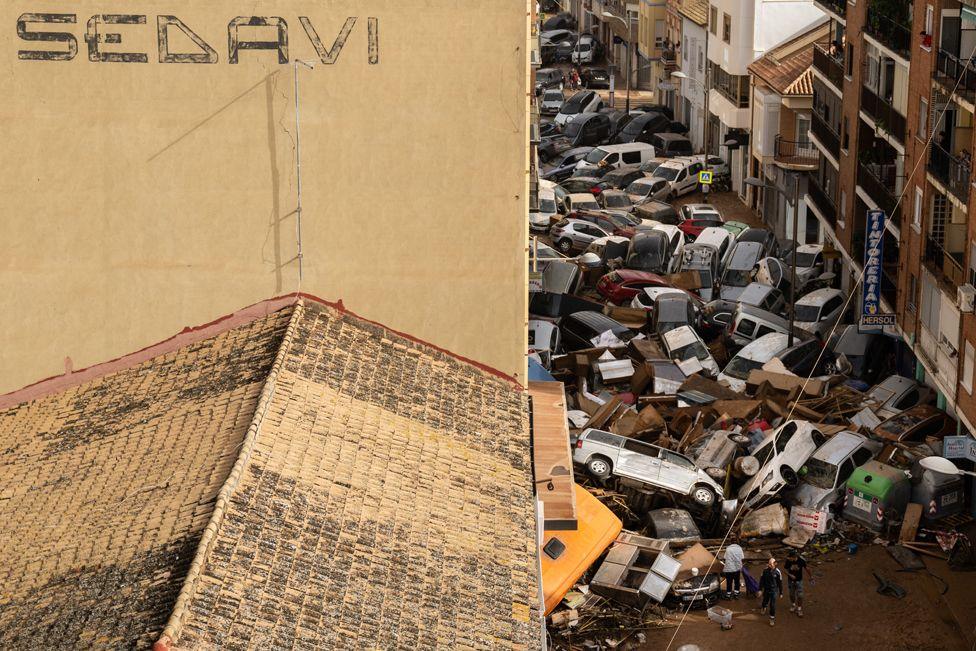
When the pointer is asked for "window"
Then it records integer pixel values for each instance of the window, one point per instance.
(727, 28)
(632, 157)
(912, 293)
(843, 207)
(802, 128)
(917, 211)
(763, 330)
(701, 60)
(849, 60)
(640, 448)
(846, 469)
(861, 456)
(972, 264)
(684, 50)
(845, 136)
(927, 34)
(967, 368)
(713, 20)
(746, 327)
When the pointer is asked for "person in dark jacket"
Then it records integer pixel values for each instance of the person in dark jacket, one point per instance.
(771, 584)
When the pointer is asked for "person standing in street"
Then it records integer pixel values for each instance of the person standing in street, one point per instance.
(733, 569)
(795, 565)
(771, 584)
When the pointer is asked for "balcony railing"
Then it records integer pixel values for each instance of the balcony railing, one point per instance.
(894, 32)
(946, 266)
(949, 69)
(825, 205)
(825, 134)
(831, 65)
(885, 116)
(796, 153)
(952, 171)
(879, 181)
(838, 7)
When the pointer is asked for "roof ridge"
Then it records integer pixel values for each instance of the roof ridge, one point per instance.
(174, 624)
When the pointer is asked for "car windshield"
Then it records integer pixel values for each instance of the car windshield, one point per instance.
(617, 200)
(595, 156)
(574, 104)
(739, 367)
(650, 166)
(547, 205)
(820, 473)
(640, 188)
(693, 350)
(666, 173)
(588, 204)
(646, 253)
(737, 278)
(553, 95)
(807, 313)
(804, 260)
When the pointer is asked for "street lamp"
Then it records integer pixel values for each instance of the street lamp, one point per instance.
(756, 183)
(630, 50)
(943, 465)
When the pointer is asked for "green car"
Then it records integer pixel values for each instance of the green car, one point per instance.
(735, 227)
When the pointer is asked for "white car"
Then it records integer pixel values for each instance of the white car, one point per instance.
(822, 487)
(575, 234)
(551, 101)
(543, 339)
(895, 394)
(752, 356)
(721, 240)
(585, 101)
(818, 311)
(676, 246)
(581, 201)
(809, 263)
(584, 50)
(647, 189)
(781, 455)
(681, 174)
(684, 344)
(540, 220)
(646, 299)
(718, 166)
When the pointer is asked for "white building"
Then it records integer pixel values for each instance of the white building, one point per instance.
(739, 32)
(692, 62)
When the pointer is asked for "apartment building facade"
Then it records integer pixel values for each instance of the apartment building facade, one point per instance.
(692, 62)
(739, 32)
(894, 91)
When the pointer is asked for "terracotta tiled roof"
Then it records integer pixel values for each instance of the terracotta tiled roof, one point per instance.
(788, 75)
(695, 10)
(307, 480)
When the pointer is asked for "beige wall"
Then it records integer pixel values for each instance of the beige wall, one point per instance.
(139, 198)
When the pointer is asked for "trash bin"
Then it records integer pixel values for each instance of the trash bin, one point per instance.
(940, 495)
(876, 494)
(720, 615)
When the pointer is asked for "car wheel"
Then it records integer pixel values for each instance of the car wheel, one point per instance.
(564, 245)
(703, 495)
(741, 440)
(599, 467)
(789, 476)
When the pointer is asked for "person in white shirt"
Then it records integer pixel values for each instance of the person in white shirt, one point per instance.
(733, 569)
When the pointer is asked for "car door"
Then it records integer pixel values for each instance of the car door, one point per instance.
(677, 472)
(639, 461)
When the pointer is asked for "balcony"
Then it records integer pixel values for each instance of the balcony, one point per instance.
(952, 172)
(837, 7)
(945, 265)
(827, 137)
(824, 204)
(796, 155)
(878, 180)
(884, 114)
(949, 69)
(831, 66)
(892, 31)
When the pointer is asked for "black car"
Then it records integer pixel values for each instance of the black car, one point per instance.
(596, 78)
(673, 311)
(588, 129)
(618, 119)
(669, 145)
(593, 172)
(648, 251)
(546, 78)
(579, 329)
(551, 147)
(642, 127)
(656, 108)
(564, 20)
(548, 129)
(764, 237)
(577, 184)
(621, 177)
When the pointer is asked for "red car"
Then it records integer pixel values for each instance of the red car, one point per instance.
(622, 285)
(696, 217)
(613, 224)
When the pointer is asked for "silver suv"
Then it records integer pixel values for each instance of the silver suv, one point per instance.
(605, 454)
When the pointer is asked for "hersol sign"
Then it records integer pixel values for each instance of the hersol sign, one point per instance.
(105, 35)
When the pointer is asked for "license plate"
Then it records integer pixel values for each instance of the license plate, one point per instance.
(860, 503)
(950, 498)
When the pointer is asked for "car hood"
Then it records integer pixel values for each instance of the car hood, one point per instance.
(539, 218)
(810, 496)
(731, 293)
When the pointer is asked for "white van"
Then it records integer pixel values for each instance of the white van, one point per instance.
(630, 153)
(681, 174)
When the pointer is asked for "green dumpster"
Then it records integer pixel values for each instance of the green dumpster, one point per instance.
(876, 494)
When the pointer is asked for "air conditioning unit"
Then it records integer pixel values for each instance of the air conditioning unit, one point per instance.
(534, 136)
(966, 298)
(536, 59)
